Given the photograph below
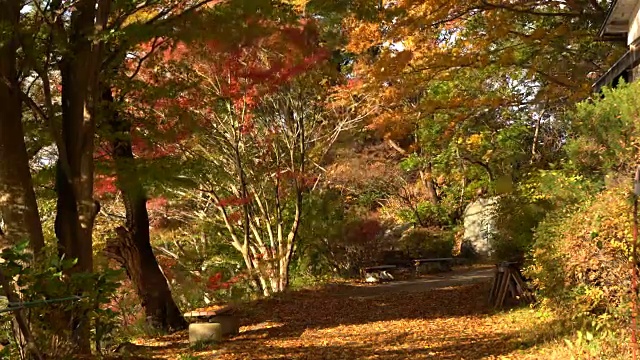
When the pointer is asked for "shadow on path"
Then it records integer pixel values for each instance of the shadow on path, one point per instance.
(435, 317)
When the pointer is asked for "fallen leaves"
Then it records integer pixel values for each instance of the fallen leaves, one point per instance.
(351, 322)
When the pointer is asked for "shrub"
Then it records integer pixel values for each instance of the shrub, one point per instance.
(425, 213)
(604, 133)
(49, 293)
(360, 244)
(427, 243)
(324, 222)
(515, 221)
(579, 261)
(519, 213)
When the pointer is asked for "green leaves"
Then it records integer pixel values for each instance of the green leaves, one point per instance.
(604, 134)
(412, 162)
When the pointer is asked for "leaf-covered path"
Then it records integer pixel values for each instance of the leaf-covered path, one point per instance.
(432, 318)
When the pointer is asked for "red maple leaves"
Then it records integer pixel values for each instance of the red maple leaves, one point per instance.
(215, 282)
(233, 201)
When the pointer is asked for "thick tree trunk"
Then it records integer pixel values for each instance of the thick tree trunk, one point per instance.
(151, 285)
(18, 205)
(132, 248)
(76, 209)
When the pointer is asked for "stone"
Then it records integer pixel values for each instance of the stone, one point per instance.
(479, 220)
(230, 324)
(371, 278)
(205, 332)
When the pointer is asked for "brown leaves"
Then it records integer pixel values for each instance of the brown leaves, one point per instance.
(412, 320)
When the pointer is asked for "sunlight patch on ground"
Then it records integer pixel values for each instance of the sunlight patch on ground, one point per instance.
(445, 323)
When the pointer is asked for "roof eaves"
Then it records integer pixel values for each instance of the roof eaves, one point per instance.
(606, 19)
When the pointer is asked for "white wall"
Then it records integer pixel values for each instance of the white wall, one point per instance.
(634, 25)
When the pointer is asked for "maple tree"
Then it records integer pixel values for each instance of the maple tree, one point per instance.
(260, 128)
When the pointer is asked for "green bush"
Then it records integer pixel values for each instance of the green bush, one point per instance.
(335, 241)
(519, 213)
(324, 222)
(427, 243)
(515, 221)
(604, 135)
(579, 262)
(425, 213)
(579, 259)
(50, 292)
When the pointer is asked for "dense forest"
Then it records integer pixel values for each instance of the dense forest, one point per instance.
(161, 156)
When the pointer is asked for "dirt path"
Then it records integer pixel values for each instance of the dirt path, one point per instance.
(454, 278)
(437, 317)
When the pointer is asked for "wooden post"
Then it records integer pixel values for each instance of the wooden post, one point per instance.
(504, 286)
(494, 285)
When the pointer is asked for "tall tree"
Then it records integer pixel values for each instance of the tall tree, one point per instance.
(18, 207)
(132, 245)
(475, 72)
(69, 50)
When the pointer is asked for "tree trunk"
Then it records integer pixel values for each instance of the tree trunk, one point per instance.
(534, 143)
(18, 205)
(426, 176)
(285, 259)
(76, 209)
(151, 285)
(132, 248)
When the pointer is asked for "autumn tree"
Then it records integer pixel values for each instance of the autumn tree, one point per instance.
(264, 118)
(132, 248)
(474, 88)
(56, 66)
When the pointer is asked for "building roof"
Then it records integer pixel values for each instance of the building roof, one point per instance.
(629, 60)
(618, 17)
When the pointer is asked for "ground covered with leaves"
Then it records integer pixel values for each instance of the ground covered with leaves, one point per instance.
(378, 322)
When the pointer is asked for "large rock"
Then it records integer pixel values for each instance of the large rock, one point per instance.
(479, 220)
(205, 332)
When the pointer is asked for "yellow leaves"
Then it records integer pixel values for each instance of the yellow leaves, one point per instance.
(474, 140)
(140, 16)
(409, 42)
(363, 35)
(487, 156)
(409, 321)
(299, 5)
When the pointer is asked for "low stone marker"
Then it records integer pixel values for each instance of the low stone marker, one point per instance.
(212, 325)
(479, 226)
(204, 332)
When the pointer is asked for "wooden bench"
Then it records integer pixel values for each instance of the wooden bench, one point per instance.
(443, 263)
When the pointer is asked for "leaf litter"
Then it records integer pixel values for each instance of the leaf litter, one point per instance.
(356, 322)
